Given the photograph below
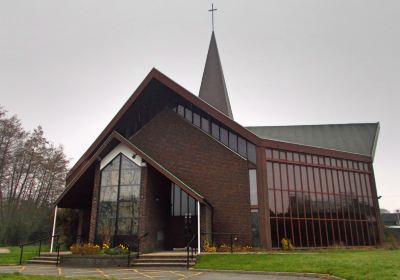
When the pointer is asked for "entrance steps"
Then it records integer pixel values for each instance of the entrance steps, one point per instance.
(46, 258)
(164, 259)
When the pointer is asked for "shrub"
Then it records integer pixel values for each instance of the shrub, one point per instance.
(207, 247)
(287, 244)
(119, 250)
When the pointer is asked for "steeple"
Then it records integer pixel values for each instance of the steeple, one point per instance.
(213, 88)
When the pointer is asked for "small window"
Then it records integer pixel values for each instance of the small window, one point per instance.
(253, 186)
(233, 141)
(205, 125)
(224, 136)
(188, 114)
(215, 130)
(196, 119)
(242, 146)
(181, 110)
(251, 152)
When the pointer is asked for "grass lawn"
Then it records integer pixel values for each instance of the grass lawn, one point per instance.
(13, 256)
(349, 264)
(17, 276)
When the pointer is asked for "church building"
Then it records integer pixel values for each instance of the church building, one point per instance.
(172, 166)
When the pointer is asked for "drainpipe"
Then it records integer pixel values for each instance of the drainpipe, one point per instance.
(54, 229)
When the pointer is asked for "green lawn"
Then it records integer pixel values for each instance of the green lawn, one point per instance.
(13, 256)
(349, 264)
(18, 276)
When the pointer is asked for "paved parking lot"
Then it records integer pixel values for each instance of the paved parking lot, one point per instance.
(132, 273)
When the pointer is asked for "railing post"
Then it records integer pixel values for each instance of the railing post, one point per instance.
(129, 255)
(20, 256)
(231, 243)
(40, 246)
(58, 253)
(187, 256)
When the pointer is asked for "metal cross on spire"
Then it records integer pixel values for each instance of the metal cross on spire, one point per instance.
(212, 15)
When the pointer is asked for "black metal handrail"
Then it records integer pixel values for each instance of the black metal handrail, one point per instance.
(40, 240)
(188, 245)
(137, 242)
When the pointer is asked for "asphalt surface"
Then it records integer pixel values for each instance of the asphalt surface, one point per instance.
(135, 273)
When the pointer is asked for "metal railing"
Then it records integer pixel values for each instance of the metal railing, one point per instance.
(188, 246)
(40, 241)
(137, 243)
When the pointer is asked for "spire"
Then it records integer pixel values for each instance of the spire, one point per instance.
(213, 88)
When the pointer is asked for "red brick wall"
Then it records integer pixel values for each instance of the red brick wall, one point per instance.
(204, 164)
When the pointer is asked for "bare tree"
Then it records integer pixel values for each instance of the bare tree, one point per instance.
(32, 175)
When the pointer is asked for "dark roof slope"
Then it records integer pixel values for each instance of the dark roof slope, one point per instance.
(358, 138)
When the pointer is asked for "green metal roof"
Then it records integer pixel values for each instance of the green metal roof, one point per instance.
(357, 138)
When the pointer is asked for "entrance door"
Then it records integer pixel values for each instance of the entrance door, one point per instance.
(182, 222)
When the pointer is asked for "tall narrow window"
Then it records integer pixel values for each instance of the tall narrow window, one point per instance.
(118, 210)
(253, 186)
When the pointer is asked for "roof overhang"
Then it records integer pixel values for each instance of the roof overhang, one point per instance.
(115, 136)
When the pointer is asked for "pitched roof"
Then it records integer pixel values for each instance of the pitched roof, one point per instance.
(213, 87)
(357, 138)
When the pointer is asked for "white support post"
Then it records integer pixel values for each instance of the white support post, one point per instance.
(198, 228)
(54, 229)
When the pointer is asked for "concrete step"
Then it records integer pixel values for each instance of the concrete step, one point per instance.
(43, 258)
(42, 262)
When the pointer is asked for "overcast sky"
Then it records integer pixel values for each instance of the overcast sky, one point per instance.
(70, 65)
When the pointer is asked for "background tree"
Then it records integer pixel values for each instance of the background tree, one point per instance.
(32, 176)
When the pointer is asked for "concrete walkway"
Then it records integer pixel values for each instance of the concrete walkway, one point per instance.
(4, 250)
(132, 273)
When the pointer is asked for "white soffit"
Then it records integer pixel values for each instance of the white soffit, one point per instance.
(121, 149)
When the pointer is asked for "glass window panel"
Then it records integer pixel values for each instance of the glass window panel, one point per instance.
(335, 181)
(282, 155)
(253, 186)
(215, 130)
(275, 154)
(205, 125)
(303, 177)
(270, 176)
(317, 181)
(291, 177)
(278, 203)
(327, 161)
(341, 182)
(192, 206)
(109, 177)
(284, 176)
(108, 193)
(196, 119)
(271, 202)
(296, 157)
(255, 232)
(329, 180)
(188, 114)
(293, 204)
(268, 153)
(251, 152)
(285, 201)
(224, 136)
(274, 235)
(242, 146)
(289, 156)
(129, 193)
(130, 177)
(184, 203)
(310, 179)
(106, 220)
(302, 158)
(324, 187)
(277, 174)
(233, 141)
(181, 110)
(297, 177)
(177, 201)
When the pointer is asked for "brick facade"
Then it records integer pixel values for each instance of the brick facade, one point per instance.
(217, 173)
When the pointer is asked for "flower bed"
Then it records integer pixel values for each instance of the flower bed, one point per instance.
(88, 254)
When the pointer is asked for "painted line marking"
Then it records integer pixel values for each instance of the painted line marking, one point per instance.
(145, 275)
(102, 273)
